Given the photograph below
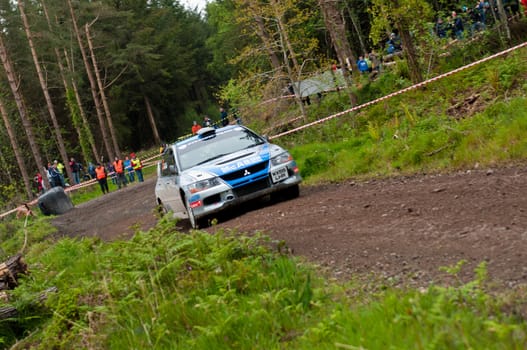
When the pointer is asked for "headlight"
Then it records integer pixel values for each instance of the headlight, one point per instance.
(281, 159)
(203, 185)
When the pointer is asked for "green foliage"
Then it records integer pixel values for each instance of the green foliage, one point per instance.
(411, 133)
(164, 289)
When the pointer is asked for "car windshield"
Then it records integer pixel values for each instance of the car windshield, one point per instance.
(219, 144)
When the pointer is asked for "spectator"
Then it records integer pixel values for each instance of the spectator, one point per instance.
(138, 167)
(206, 121)
(101, 176)
(54, 175)
(362, 65)
(59, 167)
(37, 181)
(376, 65)
(75, 169)
(457, 26)
(440, 28)
(129, 169)
(195, 127)
(394, 44)
(368, 62)
(91, 171)
(475, 21)
(118, 166)
(224, 117)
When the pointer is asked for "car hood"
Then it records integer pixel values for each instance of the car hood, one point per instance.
(231, 162)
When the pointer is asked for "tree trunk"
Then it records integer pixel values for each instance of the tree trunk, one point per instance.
(109, 149)
(78, 126)
(504, 21)
(11, 311)
(22, 110)
(152, 120)
(410, 54)
(43, 85)
(355, 24)
(16, 150)
(85, 123)
(101, 91)
(294, 72)
(266, 40)
(337, 31)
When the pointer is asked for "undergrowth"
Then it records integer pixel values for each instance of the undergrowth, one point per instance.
(164, 290)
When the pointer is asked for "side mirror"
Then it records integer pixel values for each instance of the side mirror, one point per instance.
(173, 170)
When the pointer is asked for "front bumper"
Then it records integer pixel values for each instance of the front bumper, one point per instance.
(219, 198)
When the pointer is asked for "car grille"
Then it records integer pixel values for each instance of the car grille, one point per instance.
(252, 187)
(240, 174)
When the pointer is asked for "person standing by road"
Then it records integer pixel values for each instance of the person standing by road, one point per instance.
(54, 175)
(75, 169)
(100, 173)
(129, 169)
(224, 117)
(118, 166)
(59, 167)
(195, 127)
(138, 167)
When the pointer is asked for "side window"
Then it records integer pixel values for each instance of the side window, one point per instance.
(168, 164)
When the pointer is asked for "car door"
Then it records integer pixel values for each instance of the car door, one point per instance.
(167, 186)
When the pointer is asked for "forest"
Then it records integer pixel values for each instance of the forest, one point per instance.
(92, 80)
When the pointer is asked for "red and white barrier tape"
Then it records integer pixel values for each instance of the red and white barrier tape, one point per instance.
(74, 187)
(323, 120)
(413, 87)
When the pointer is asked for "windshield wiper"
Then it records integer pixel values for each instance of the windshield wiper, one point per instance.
(212, 158)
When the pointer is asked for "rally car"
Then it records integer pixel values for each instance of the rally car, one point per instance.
(220, 168)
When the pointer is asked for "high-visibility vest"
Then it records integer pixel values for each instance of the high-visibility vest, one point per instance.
(136, 163)
(100, 172)
(118, 165)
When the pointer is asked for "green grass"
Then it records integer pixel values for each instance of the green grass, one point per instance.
(164, 290)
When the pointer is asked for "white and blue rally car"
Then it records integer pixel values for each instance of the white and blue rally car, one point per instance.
(219, 168)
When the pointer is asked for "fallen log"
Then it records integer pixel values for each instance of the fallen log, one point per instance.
(11, 311)
(9, 271)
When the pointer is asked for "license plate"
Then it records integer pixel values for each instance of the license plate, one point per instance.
(279, 174)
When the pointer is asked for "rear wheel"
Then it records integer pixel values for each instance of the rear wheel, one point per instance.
(161, 209)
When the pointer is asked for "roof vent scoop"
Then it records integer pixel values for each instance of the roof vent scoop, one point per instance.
(206, 132)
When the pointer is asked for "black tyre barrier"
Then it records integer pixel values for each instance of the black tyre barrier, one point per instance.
(54, 202)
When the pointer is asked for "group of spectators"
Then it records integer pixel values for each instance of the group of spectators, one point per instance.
(472, 19)
(207, 122)
(120, 171)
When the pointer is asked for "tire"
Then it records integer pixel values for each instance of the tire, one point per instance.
(193, 222)
(292, 192)
(161, 209)
(286, 194)
(55, 202)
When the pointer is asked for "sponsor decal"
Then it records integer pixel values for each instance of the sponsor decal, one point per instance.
(242, 163)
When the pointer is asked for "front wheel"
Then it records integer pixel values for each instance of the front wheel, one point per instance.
(286, 194)
(193, 222)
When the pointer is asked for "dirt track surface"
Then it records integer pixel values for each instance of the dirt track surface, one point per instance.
(402, 228)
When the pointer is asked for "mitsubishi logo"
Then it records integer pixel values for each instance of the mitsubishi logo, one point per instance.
(246, 172)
